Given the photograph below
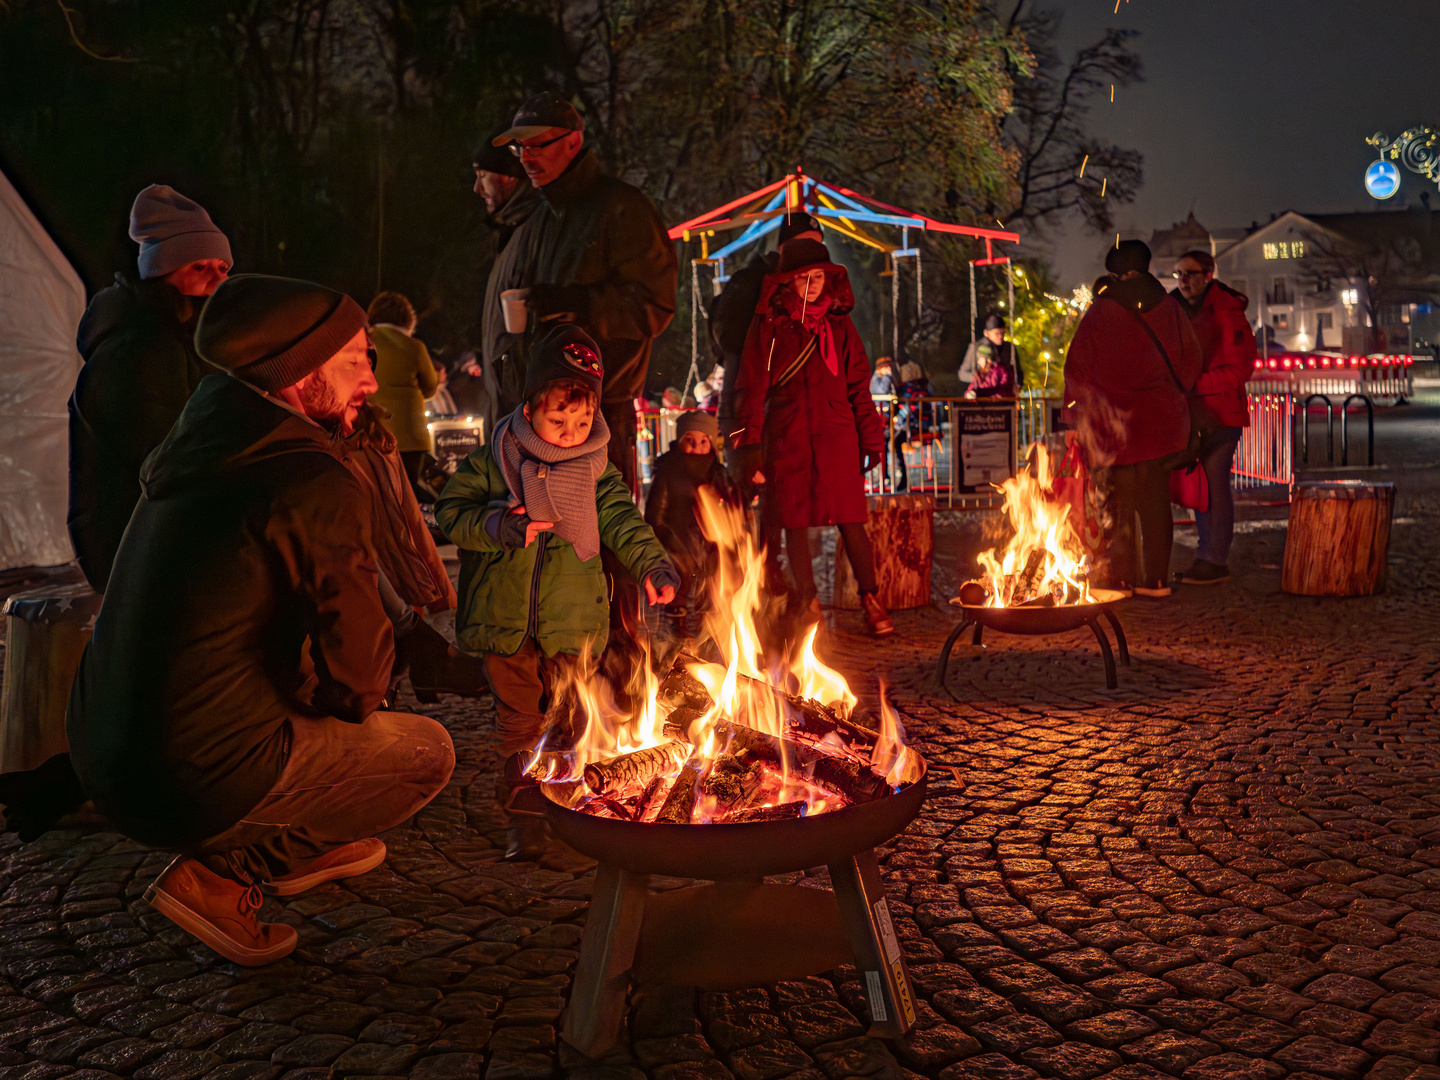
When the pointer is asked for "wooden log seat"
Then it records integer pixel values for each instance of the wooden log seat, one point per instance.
(902, 531)
(46, 630)
(1338, 538)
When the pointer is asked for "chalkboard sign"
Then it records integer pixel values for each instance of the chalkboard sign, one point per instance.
(455, 440)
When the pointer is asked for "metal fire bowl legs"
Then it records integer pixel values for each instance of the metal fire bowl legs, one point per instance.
(729, 935)
(738, 931)
(1036, 621)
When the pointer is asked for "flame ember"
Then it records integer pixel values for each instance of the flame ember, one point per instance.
(752, 737)
(1045, 562)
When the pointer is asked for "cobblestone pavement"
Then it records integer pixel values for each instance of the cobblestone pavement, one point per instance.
(1227, 868)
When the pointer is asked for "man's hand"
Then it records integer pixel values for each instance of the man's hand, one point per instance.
(664, 596)
(533, 528)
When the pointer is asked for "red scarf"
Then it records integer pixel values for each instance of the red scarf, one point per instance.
(812, 317)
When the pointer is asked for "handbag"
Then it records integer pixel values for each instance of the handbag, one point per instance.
(1203, 420)
(1190, 487)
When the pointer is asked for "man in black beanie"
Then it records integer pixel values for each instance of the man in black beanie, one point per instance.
(226, 705)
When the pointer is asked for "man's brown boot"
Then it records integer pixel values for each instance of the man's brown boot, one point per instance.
(222, 913)
(876, 617)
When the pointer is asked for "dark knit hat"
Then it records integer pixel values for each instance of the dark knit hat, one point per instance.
(795, 223)
(540, 114)
(497, 159)
(173, 231)
(566, 352)
(801, 253)
(273, 331)
(1128, 255)
(995, 321)
(701, 421)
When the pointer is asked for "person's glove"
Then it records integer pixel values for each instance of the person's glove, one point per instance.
(512, 528)
(747, 464)
(569, 302)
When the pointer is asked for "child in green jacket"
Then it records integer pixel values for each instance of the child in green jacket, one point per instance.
(529, 512)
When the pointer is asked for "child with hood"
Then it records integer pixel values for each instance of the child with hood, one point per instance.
(530, 511)
(672, 511)
(804, 398)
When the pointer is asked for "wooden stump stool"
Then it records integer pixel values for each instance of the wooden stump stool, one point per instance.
(902, 531)
(1338, 538)
(45, 633)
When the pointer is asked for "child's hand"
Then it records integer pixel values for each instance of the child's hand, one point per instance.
(664, 596)
(533, 528)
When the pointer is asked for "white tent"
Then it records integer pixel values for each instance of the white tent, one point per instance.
(41, 301)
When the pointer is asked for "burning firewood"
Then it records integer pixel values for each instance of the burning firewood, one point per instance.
(638, 768)
(763, 813)
(653, 797)
(1027, 582)
(679, 805)
(732, 781)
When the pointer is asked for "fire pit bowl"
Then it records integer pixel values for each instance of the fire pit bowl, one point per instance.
(748, 850)
(1037, 620)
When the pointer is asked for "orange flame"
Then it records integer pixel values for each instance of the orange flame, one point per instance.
(1045, 558)
(742, 688)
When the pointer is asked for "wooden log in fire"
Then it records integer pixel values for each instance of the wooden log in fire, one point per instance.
(679, 805)
(1027, 582)
(732, 781)
(637, 768)
(852, 779)
(653, 798)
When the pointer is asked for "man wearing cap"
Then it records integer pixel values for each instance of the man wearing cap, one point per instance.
(511, 200)
(225, 707)
(597, 256)
(140, 367)
(1002, 356)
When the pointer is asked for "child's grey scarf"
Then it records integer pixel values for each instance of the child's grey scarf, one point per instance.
(555, 483)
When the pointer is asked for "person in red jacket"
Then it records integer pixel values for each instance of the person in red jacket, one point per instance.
(1217, 314)
(803, 394)
(1133, 360)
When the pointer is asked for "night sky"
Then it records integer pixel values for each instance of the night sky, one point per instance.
(1251, 107)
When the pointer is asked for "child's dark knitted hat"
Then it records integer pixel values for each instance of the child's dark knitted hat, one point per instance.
(566, 352)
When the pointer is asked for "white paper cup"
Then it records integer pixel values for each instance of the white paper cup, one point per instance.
(513, 304)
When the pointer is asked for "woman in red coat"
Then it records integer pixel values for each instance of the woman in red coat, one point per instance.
(803, 395)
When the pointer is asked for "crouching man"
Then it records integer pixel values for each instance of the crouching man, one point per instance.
(226, 705)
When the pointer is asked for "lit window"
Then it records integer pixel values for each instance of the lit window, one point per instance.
(1297, 250)
(1272, 251)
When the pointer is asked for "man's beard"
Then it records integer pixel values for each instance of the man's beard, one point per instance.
(322, 404)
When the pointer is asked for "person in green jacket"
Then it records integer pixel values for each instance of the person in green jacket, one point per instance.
(530, 511)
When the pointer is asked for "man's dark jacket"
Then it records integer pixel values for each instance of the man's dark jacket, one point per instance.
(598, 250)
(501, 357)
(250, 537)
(140, 369)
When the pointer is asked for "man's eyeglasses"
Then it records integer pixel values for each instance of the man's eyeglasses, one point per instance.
(518, 150)
(1181, 274)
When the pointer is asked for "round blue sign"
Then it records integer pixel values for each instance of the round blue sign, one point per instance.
(1382, 179)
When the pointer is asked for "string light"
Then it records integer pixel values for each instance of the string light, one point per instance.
(1103, 181)
(1082, 166)
(1112, 91)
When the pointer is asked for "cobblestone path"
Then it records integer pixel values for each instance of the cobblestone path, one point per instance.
(1227, 868)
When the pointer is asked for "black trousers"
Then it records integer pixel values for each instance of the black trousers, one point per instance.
(1138, 493)
(797, 548)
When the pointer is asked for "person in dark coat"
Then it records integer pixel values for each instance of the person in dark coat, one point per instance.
(510, 200)
(730, 316)
(226, 706)
(140, 367)
(804, 396)
(671, 508)
(1217, 314)
(1129, 367)
(596, 255)
(1003, 352)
